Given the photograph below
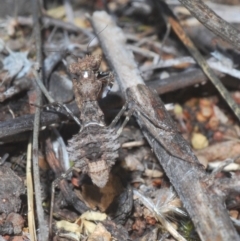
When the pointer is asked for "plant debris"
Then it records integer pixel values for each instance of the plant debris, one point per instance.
(153, 172)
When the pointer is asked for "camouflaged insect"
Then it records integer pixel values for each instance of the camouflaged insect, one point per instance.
(95, 148)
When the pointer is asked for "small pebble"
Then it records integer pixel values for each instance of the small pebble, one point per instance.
(199, 141)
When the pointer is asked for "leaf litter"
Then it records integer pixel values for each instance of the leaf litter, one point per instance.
(200, 114)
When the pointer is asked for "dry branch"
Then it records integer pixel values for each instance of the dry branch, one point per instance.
(24, 123)
(10, 128)
(206, 210)
(212, 21)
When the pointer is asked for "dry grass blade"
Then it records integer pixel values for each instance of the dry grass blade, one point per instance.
(31, 216)
(161, 217)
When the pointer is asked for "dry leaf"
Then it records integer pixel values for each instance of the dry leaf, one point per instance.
(220, 115)
(81, 22)
(73, 230)
(234, 213)
(58, 12)
(86, 226)
(94, 216)
(89, 227)
(100, 234)
(82, 225)
(132, 163)
(69, 227)
(101, 198)
(220, 151)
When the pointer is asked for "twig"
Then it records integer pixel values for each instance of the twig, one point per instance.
(178, 81)
(227, 186)
(199, 58)
(25, 123)
(229, 13)
(31, 220)
(227, 168)
(17, 87)
(49, 21)
(145, 53)
(43, 230)
(43, 89)
(216, 65)
(212, 21)
(151, 40)
(132, 144)
(205, 208)
(11, 112)
(69, 11)
(221, 166)
(51, 100)
(166, 35)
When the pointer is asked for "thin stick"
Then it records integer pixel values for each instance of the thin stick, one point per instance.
(51, 210)
(31, 219)
(212, 21)
(43, 230)
(203, 64)
(51, 100)
(132, 144)
(48, 21)
(69, 11)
